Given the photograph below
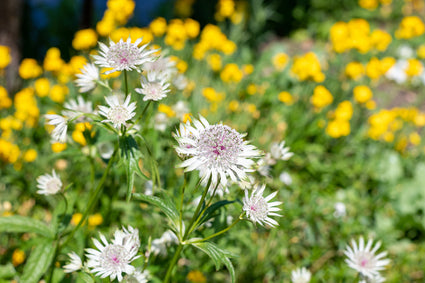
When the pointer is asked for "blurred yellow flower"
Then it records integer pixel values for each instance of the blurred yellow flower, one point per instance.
(5, 57)
(414, 67)
(212, 96)
(286, 98)
(411, 26)
(251, 89)
(58, 93)
(338, 128)
(76, 218)
(280, 60)
(380, 39)
(415, 138)
(53, 61)
(214, 61)
(307, 67)
(233, 105)
(95, 220)
(9, 152)
(192, 28)
(5, 101)
(354, 70)
(421, 51)
(166, 110)
(30, 155)
(231, 73)
(321, 97)
(18, 257)
(368, 4)
(344, 111)
(42, 87)
(158, 26)
(84, 39)
(58, 147)
(362, 93)
(29, 69)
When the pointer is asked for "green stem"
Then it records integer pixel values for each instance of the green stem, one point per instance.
(126, 83)
(93, 198)
(181, 207)
(140, 116)
(172, 263)
(104, 85)
(222, 231)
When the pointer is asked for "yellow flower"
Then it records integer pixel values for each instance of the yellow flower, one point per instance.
(225, 8)
(228, 47)
(29, 69)
(339, 34)
(158, 26)
(5, 101)
(344, 111)
(307, 67)
(52, 61)
(192, 28)
(251, 89)
(121, 9)
(58, 93)
(105, 26)
(58, 147)
(380, 39)
(374, 69)
(212, 96)
(362, 93)
(409, 27)
(30, 155)
(321, 97)
(371, 104)
(76, 63)
(231, 73)
(280, 60)
(233, 105)
(5, 57)
(76, 218)
(247, 69)
(18, 257)
(354, 70)
(9, 152)
(286, 97)
(421, 51)
(368, 4)
(166, 110)
(42, 87)
(95, 220)
(415, 68)
(214, 61)
(84, 39)
(181, 66)
(338, 128)
(196, 276)
(415, 138)
(419, 120)
(110, 75)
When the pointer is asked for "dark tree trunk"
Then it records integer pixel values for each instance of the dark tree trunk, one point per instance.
(10, 31)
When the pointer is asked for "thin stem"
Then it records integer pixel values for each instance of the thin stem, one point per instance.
(102, 83)
(92, 171)
(140, 116)
(172, 263)
(222, 231)
(125, 82)
(181, 206)
(93, 198)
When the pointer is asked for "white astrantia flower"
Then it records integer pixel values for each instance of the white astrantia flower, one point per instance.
(61, 127)
(76, 107)
(159, 246)
(340, 209)
(74, 264)
(113, 259)
(300, 275)
(217, 151)
(49, 184)
(154, 86)
(285, 178)
(117, 113)
(137, 277)
(123, 55)
(362, 257)
(263, 167)
(258, 209)
(397, 72)
(86, 81)
(280, 152)
(377, 278)
(162, 65)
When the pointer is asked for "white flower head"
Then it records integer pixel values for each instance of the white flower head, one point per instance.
(280, 152)
(340, 209)
(180, 82)
(162, 65)
(263, 167)
(397, 72)
(118, 113)
(113, 259)
(61, 127)
(161, 120)
(123, 55)
(217, 151)
(74, 264)
(181, 109)
(377, 278)
(154, 86)
(76, 107)
(363, 259)
(300, 275)
(137, 277)
(86, 81)
(258, 208)
(49, 184)
(285, 178)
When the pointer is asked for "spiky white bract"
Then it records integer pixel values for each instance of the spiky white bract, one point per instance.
(280, 152)
(117, 113)
(86, 81)
(258, 208)
(162, 65)
(113, 259)
(61, 127)
(300, 275)
(49, 184)
(216, 151)
(74, 264)
(137, 277)
(77, 106)
(154, 87)
(362, 257)
(123, 55)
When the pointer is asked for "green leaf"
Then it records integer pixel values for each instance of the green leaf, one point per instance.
(209, 212)
(164, 204)
(84, 278)
(21, 224)
(218, 255)
(38, 262)
(130, 155)
(7, 271)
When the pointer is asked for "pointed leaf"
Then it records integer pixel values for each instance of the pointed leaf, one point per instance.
(38, 262)
(21, 224)
(209, 212)
(218, 255)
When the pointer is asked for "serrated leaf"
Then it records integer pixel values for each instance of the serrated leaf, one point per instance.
(21, 224)
(209, 212)
(130, 155)
(7, 271)
(164, 204)
(218, 256)
(38, 262)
